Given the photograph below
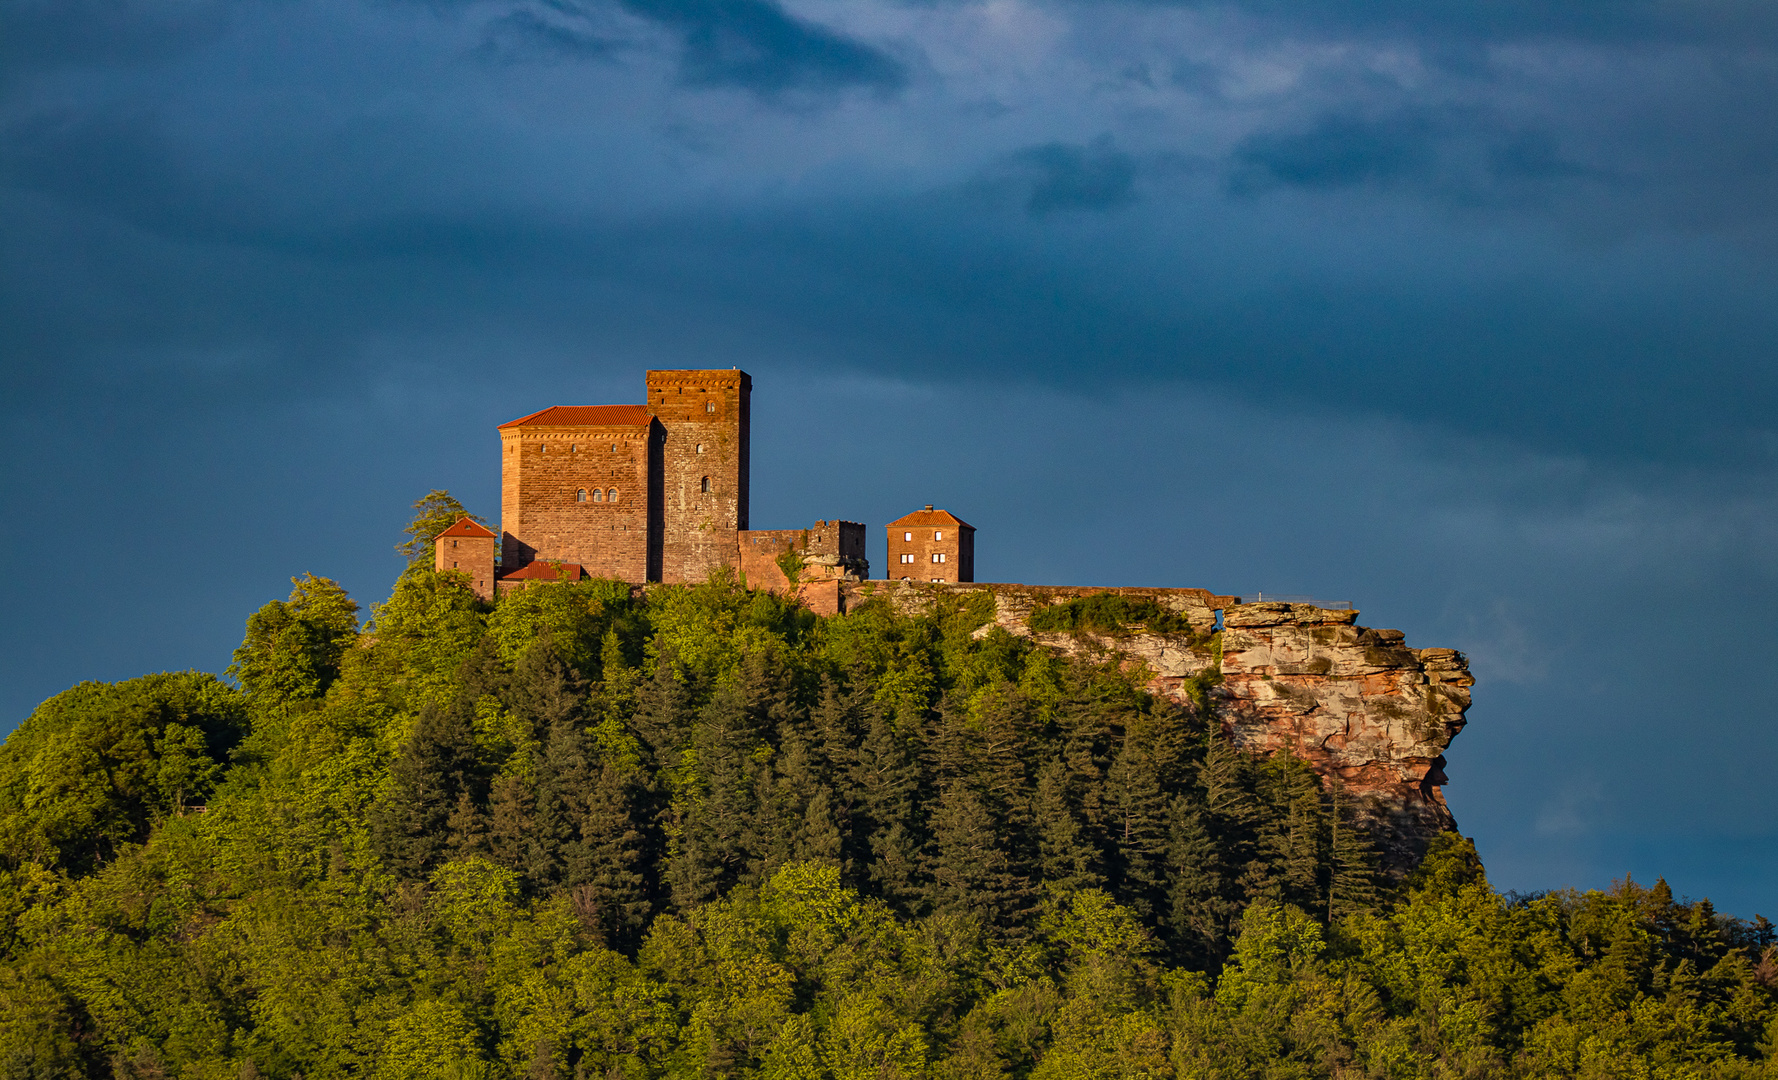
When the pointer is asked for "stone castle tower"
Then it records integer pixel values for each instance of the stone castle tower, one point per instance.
(653, 492)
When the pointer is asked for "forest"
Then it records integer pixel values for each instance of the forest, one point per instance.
(694, 831)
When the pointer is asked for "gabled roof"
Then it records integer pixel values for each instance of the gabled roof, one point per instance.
(929, 516)
(468, 527)
(544, 570)
(584, 416)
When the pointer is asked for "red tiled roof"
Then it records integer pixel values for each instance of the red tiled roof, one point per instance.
(931, 517)
(584, 416)
(544, 570)
(468, 527)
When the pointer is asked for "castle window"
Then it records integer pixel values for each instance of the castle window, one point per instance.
(574, 448)
(612, 495)
(907, 558)
(700, 448)
(938, 535)
(908, 536)
(938, 556)
(580, 496)
(709, 406)
(453, 543)
(706, 483)
(614, 448)
(598, 495)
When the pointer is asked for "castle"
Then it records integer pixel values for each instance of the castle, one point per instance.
(658, 492)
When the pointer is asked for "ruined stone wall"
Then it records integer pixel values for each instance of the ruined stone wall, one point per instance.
(826, 551)
(544, 472)
(704, 416)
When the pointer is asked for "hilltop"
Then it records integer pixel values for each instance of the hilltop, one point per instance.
(684, 830)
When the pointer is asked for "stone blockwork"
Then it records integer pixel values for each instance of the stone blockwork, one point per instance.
(821, 558)
(705, 416)
(932, 546)
(575, 488)
(467, 548)
(1358, 704)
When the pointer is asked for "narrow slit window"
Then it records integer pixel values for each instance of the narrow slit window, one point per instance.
(705, 484)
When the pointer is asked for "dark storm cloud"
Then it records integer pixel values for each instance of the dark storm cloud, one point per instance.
(1063, 177)
(755, 44)
(1659, 21)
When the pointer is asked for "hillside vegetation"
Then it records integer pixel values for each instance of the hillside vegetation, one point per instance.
(702, 833)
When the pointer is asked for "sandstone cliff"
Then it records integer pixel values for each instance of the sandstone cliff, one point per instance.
(1369, 713)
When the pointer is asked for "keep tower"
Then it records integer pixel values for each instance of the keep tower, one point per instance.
(704, 420)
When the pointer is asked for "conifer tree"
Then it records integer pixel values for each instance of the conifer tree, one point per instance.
(886, 781)
(605, 862)
(1065, 859)
(1200, 912)
(434, 771)
(1351, 857)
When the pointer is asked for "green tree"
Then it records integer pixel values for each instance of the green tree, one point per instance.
(98, 766)
(434, 512)
(293, 648)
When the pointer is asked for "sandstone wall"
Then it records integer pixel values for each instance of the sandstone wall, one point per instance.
(544, 470)
(471, 556)
(825, 551)
(704, 416)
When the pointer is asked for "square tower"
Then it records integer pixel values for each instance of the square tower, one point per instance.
(467, 548)
(578, 485)
(703, 416)
(931, 545)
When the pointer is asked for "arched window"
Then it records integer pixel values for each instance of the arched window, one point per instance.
(700, 448)
(612, 495)
(706, 485)
(598, 495)
(580, 496)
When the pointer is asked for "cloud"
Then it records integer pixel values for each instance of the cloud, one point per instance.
(1062, 176)
(1336, 151)
(757, 45)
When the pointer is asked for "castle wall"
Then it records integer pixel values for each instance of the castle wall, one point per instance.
(704, 416)
(826, 550)
(544, 470)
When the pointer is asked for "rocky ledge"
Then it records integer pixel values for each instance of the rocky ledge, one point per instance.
(1372, 715)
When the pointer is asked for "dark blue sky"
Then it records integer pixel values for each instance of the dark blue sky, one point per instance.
(1467, 316)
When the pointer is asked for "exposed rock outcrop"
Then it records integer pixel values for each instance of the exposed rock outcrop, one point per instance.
(1368, 712)
(1356, 703)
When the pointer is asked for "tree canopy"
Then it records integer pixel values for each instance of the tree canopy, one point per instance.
(699, 832)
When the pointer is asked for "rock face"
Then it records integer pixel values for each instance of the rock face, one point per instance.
(1369, 713)
(1357, 704)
